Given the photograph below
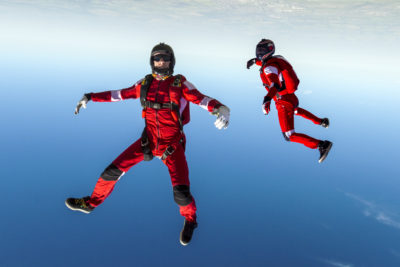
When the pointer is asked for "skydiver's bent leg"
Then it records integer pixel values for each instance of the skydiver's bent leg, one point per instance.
(179, 172)
(305, 140)
(105, 184)
(307, 115)
(286, 121)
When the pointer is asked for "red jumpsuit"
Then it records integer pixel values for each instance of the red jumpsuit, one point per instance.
(163, 130)
(281, 82)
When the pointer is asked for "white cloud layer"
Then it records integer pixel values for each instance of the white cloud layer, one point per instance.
(337, 263)
(284, 16)
(379, 213)
(335, 33)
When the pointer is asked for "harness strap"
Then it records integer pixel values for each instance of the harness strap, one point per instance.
(156, 105)
(175, 107)
(169, 151)
(145, 144)
(279, 88)
(144, 88)
(149, 104)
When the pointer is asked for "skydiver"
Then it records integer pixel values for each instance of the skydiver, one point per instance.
(164, 98)
(281, 82)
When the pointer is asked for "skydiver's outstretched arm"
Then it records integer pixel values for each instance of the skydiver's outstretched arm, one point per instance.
(212, 105)
(110, 96)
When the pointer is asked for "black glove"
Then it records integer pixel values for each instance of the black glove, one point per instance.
(266, 99)
(266, 106)
(89, 96)
(251, 62)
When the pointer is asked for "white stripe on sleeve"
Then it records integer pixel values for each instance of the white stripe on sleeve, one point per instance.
(270, 69)
(183, 105)
(205, 101)
(189, 85)
(116, 95)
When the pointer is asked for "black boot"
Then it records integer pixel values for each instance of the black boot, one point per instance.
(79, 204)
(187, 232)
(324, 147)
(325, 122)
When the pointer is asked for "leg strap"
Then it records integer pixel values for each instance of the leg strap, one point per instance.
(170, 150)
(145, 144)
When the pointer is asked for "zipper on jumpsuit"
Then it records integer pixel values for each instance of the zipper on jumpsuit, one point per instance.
(157, 124)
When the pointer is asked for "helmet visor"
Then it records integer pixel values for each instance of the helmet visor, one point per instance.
(261, 51)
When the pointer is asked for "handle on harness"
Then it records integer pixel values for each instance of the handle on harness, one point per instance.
(170, 150)
(145, 144)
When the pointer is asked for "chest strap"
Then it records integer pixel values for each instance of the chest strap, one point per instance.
(171, 105)
(156, 105)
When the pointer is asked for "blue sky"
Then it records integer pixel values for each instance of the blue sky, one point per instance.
(262, 201)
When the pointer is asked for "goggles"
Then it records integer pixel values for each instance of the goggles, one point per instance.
(162, 56)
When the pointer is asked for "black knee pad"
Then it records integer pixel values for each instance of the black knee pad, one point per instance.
(182, 195)
(286, 137)
(111, 173)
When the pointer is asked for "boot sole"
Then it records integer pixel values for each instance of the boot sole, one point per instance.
(72, 208)
(180, 240)
(326, 153)
(180, 236)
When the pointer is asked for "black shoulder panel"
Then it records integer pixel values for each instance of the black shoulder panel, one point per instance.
(145, 88)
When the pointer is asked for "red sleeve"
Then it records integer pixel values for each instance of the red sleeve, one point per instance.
(270, 77)
(191, 94)
(272, 92)
(117, 95)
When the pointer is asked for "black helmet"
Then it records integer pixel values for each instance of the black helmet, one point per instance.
(265, 49)
(163, 49)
